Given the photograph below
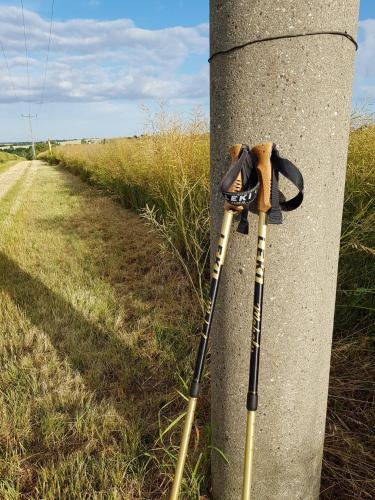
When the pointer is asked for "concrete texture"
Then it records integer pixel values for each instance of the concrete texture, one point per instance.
(297, 93)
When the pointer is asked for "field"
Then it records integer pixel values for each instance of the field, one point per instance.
(86, 328)
(99, 419)
(164, 176)
(6, 160)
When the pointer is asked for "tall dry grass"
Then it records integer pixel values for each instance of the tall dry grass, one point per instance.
(164, 176)
(349, 458)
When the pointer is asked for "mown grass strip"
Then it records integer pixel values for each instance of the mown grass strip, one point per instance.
(87, 360)
(165, 175)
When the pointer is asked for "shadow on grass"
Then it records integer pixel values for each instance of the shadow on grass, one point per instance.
(110, 369)
(135, 365)
(126, 253)
(134, 260)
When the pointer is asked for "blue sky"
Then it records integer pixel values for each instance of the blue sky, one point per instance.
(110, 57)
(149, 14)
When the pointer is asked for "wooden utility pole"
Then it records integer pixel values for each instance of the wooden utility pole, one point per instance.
(294, 90)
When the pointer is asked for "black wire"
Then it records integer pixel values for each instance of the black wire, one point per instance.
(48, 53)
(280, 37)
(26, 53)
(8, 68)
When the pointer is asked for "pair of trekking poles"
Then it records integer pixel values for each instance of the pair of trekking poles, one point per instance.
(253, 175)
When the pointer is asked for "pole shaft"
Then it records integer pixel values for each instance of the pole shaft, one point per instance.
(249, 452)
(252, 394)
(214, 286)
(202, 350)
(183, 448)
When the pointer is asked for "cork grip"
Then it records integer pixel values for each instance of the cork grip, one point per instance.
(263, 153)
(237, 185)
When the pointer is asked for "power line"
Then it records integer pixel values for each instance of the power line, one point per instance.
(27, 53)
(30, 116)
(8, 69)
(48, 52)
(13, 84)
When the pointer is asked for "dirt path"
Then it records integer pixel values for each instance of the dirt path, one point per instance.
(95, 335)
(26, 179)
(11, 176)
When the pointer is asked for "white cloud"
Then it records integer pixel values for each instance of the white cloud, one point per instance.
(95, 60)
(364, 82)
(366, 53)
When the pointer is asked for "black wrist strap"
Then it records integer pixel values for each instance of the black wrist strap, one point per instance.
(250, 179)
(246, 164)
(290, 171)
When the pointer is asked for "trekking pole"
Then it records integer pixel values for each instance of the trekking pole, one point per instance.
(240, 175)
(269, 165)
(263, 153)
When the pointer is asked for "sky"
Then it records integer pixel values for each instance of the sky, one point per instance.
(108, 59)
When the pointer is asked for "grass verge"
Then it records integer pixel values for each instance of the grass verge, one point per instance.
(88, 347)
(127, 168)
(7, 160)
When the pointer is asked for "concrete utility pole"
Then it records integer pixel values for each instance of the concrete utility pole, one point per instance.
(30, 117)
(295, 92)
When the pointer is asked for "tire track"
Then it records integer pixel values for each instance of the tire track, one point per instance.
(11, 176)
(28, 174)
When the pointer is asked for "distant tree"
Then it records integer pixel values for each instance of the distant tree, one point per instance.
(17, 151)
(29, 153)
(40, 147)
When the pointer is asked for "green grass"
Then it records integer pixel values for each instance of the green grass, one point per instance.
(149, 175)
(7, 160)
(88, 347)
(164, 176)
(349, 459)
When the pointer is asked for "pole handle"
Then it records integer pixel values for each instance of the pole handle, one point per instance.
(235, 151)
(237, 185)
(263, 153)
